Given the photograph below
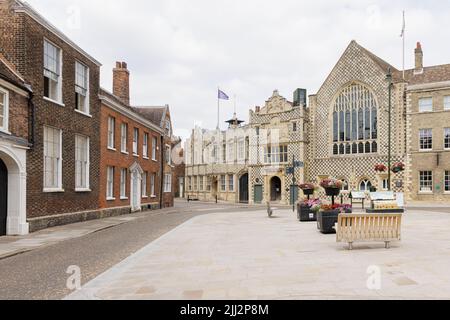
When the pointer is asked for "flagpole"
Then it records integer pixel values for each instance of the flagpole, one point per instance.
(404, 33)
(218, 109)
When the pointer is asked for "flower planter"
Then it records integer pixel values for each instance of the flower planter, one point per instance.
(305, 214)
(326, 221)
(308, 192)
(332, 192)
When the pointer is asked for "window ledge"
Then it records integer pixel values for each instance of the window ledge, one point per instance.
(83, 113)
(153, 197)
(135, 155)
(144, 197)
(426, 192)
(426, 150)
(154, 160)
(5, 131)
(124, 152)
(123, 198)
(83, 190)
(53, 190)
(55, 102)
(111, 149)
(110, 199)
(146, 158)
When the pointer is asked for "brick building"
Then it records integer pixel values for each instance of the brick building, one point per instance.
(16, 109)
(63, 163)
(161, 117)
(130, 147)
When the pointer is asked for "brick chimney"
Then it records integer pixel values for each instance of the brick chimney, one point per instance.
(121, 82)
(419, 58)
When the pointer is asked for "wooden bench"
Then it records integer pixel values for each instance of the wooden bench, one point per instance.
(369, 228)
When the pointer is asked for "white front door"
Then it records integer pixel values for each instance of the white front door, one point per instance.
(135, 191)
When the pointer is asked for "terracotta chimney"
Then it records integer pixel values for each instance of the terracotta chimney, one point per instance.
(419, 58)
(121, 82)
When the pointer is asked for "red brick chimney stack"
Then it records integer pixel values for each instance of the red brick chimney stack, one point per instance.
(419, 57)
(121, 82)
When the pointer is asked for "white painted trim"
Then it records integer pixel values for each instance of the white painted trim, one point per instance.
(129, 113)
(54, 101)
(82, 113)
(87, 177)
(427, 86)
(88, 91)
(7, 85)
(5, 102)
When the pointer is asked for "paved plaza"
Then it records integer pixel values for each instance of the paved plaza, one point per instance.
(246, 255)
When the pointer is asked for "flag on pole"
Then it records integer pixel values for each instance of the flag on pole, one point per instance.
(403, 26)
(223, 96)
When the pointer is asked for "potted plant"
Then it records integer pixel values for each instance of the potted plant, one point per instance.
(380, 168)
(398, 167)
(304, 212)
(308, 189)
(327, 216)
(332, 188)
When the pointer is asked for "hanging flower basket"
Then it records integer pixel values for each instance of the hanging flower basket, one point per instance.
(380, 168)
(308, 188)
(398, 167)
(332, 187)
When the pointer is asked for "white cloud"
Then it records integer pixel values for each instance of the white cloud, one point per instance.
(180, 51)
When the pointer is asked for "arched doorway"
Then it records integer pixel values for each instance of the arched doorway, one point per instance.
(13, 200)
(243, 188)
(3, 197)
(275, 189)
(136, 187)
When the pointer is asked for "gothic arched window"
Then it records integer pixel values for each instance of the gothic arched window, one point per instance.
(355, 119)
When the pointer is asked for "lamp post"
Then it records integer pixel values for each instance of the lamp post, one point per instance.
(389, 80)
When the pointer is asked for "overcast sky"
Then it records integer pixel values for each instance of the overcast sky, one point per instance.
(180, 51)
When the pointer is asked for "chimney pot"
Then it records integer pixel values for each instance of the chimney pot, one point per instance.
(257, 109)
(418, 58)
(121, 82)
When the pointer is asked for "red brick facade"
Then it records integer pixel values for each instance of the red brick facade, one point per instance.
(120, 160)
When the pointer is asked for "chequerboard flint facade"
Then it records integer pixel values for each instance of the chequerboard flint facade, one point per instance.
(341, 133)
(69, 150)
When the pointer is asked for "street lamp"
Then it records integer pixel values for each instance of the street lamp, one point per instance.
(389, 80)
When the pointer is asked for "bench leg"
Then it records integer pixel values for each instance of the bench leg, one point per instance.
(350, 246)
(388, 245)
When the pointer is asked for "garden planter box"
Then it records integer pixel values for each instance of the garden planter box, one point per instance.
(305, 214)
(326, 221)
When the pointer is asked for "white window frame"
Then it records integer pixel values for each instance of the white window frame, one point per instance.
(123, 184)
(58, 187)
(144, 185)
(223, 183)
(445, 134)
(110, 183)
(422, 180)
(135, 142)
(201, 183)
(87, 164)
(425, 107)
(447, 179)
(422, 135)
(145, 146)
(446, 102)
(79, 89)
(5, 126)
(241, 149)
(152, 185)
(230, 151)
(167, 183)
(59, 97)
(111, 133)
(168, 155)
(124, 137)
(154, 148)
(231, 183)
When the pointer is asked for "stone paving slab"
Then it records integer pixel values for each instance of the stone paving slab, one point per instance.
(10, 246)
(249, 256)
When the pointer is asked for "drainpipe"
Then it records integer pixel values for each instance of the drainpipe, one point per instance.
(32, 121)
(161, 184)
